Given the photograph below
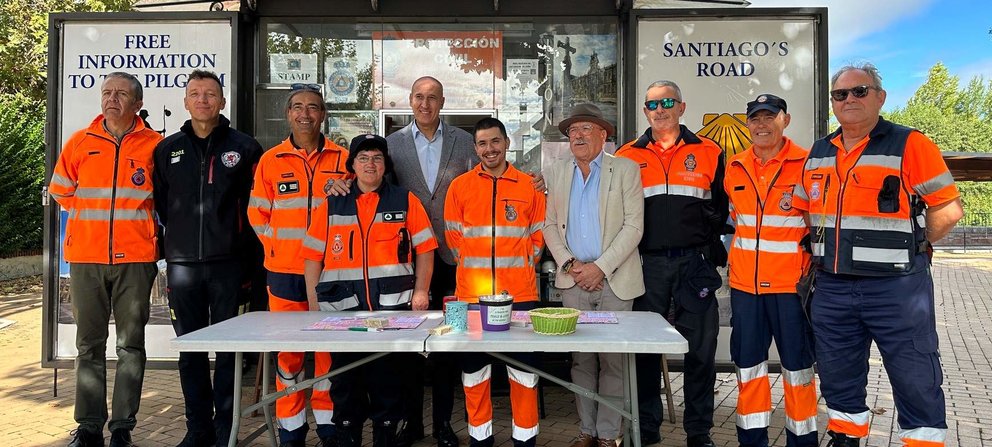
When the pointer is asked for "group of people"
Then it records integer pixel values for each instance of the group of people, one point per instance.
(429, 211)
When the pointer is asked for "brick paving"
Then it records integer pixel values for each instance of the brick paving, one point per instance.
(32, 416)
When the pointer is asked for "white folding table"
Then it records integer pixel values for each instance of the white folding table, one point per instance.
(266, 332)
(634, 333)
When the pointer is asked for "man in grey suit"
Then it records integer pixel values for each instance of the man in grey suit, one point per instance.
(594, 221)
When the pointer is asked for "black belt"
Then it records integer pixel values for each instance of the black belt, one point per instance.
(677, 252)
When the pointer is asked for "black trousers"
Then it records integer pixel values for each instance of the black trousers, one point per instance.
(662, 276)
(444, 371)
(370, 391)
(201, 294)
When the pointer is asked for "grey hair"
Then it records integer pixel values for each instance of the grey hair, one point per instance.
(666, 83)
(136, 89)
(292, 94)
(868, 68)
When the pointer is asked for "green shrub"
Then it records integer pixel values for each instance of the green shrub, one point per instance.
(22, 157)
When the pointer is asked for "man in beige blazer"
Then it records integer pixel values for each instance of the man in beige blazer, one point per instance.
(594, 221)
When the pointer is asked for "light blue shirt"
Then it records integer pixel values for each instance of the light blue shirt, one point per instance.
(583, 233)
(429, 153)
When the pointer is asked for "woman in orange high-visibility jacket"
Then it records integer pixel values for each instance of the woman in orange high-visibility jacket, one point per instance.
(766, 261)
(493, 220)
(371, 249)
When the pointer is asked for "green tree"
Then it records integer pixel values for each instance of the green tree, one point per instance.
(22, 148)
(24, 40)
(958, 120)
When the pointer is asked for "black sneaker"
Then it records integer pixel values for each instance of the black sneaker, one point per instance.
(198, 439)
(445, 435)
(700, 441)
(82, 437)
(121, 438)
(409, 434)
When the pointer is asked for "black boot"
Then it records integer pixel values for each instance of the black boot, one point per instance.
(445, 435)
(348, 434)
(842, 440)
(384, 434)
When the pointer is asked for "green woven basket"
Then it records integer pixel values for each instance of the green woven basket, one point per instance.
(554, 320)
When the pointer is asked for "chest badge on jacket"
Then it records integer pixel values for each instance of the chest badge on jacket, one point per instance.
(230, 158)
(176, 156)
(785, 203)
(511, 212)
(138, 178)
(338, 246)
(690, 162)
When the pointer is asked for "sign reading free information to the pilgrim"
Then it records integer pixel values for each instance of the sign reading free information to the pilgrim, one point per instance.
(161, 54)
(720, 64)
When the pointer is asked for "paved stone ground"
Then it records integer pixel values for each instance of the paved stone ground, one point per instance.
(32, 416)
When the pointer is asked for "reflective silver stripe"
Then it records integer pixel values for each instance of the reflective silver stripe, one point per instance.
(454, 252)
(262, 230)
(778, 221)
(290, 233)
(656, 190)
(314, 243)
(798, 378)
(501, 262)
(884, 255)
(62, 181)
(537, 253)
(814, 163)
(935, 184)
(342, 275)
(825, 220)
(856, 419)
(295, 421)
(422, 236)
(322, 417)
(524, 378)
(475, 378)
(747, 220)
(929, 434)
(754, 420)
(501, 231)
(104, 215)
(387, 271)
(290, 204)
(803, 427)
(316, 202)
(523, 434)
(107, 193)
(537, 226)
(818, 249)
(875, 224)
(259, 202)
(749, 244)
(337, 219)
(691, 191)
(396, 299)
(745, 375)
(921, 220)
(480, 432)
(893, 162)
(453, 226)
(799, 192)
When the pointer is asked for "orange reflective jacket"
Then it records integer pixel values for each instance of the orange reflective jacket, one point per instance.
(289, 184)
(493, 227)
(367, 243)
(106, 187)
(867, 204)
(765, 255)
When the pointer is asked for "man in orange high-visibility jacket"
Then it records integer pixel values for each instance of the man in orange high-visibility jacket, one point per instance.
(766, 261)
(371, 249)
(291, 181)
(103, 179)
(685, 210)
(877, 195)
(493, 219)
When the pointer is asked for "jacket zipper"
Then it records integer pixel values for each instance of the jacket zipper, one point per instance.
(365, 255)
(760, 216)
(113, 201)
(840, 203)
(492, 270)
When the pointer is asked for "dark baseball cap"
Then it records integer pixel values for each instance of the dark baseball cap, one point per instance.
(767, 102)
(368, 141)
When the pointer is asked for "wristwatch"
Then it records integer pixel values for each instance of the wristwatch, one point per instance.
(567, 265)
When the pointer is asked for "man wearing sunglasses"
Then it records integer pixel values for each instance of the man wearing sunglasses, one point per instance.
(877, 195)
(685, 209)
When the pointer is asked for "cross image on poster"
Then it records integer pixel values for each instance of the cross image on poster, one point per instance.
(161, 54)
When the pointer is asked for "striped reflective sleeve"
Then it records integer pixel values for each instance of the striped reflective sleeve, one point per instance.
(422, 236)
(315, 244)
(62, 181)
(934, 184)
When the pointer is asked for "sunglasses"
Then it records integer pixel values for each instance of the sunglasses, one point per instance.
(314, 87)
(859, 92)
(665, 103)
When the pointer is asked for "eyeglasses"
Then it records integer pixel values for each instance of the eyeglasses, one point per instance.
(665, 103)
(298, 86)
(363, 159)
(580, 130)
(859, 92)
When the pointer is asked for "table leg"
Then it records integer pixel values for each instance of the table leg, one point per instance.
(267, 410)
(630, 392)
(236, 419)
